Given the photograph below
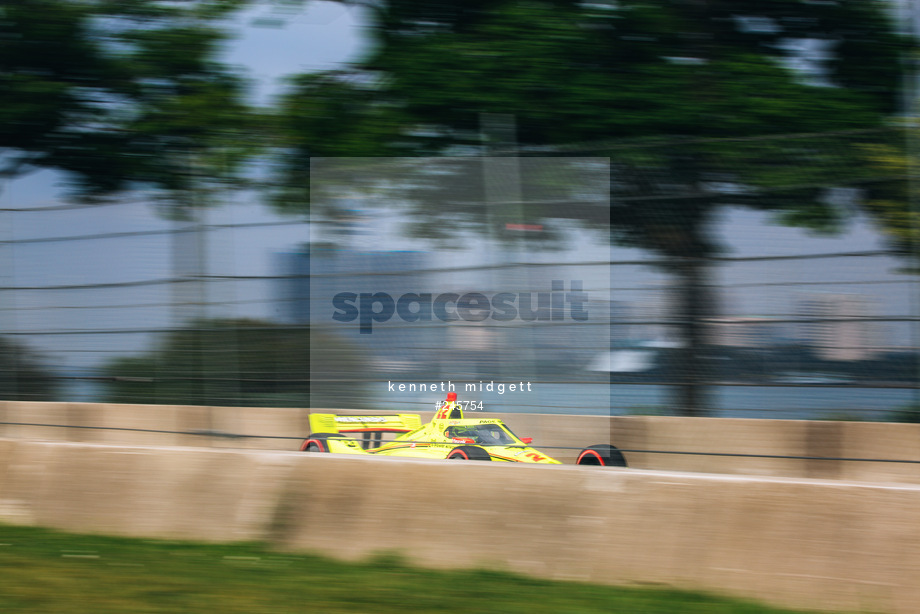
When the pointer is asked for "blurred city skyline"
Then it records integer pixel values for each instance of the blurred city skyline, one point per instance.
(244, 240)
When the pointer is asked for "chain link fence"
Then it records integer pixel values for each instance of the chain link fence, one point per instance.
(118, 303)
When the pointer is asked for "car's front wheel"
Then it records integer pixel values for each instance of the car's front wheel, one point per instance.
(468, 453)
(601, 454)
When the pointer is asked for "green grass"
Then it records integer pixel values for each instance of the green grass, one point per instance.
(52, 572)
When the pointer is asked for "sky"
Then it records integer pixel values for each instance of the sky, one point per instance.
(272, 43)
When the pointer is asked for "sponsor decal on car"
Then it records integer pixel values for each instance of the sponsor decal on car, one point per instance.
(361, 419)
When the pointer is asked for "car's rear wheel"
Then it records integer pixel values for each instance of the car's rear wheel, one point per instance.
(316, 442)
(468, 453)
(601, 454)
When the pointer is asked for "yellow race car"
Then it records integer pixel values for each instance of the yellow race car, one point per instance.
(449, 435)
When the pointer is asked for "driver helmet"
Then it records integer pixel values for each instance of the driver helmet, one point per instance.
(448, 408)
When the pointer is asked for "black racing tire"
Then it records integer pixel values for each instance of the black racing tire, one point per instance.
(469, 453)
(601, 454)
(316, 442)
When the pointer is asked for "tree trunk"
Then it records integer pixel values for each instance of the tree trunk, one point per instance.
(692, 308)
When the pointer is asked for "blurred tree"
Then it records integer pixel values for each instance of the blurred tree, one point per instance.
(224, 362)
(890, 203)
(120, 94)
(906, 413)
(701, 98)
(216, 362)
(23, 377)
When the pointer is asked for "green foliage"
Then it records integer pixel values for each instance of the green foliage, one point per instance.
(227, 362)
(330, 116)
(120, 94)
(889, 203)
(908, 413)
(218, 362)
(712, 77)
(50, 571)
(23, 376)
(694, 103)
(647, 410)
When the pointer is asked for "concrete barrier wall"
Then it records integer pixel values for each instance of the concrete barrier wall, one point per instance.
(795, 542)
(794, 448)
(652, 442)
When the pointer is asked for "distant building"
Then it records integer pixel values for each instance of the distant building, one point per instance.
(309, 279)
(839, 326)
(746, 332)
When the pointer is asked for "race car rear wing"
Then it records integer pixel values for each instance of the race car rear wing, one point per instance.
(332, 423)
